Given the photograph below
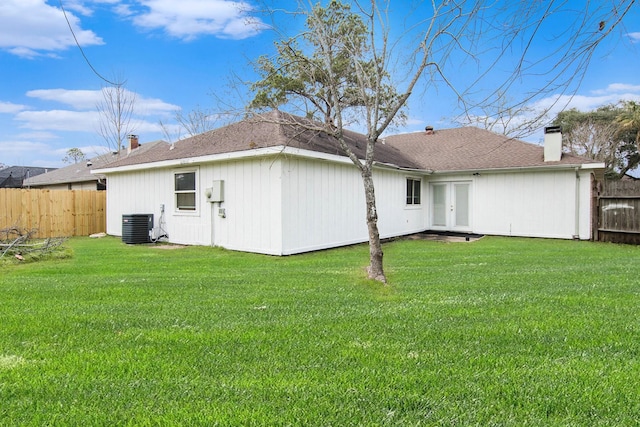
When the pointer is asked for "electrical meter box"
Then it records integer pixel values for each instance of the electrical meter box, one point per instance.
(216, 192)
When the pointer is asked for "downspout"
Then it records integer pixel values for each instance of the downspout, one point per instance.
(576, 234)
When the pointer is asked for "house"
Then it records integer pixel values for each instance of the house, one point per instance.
(492, 184)
(14, 176)
(78, 176)
(268, 185)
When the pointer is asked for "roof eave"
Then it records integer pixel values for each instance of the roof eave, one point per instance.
(416, 171)
(567, 166)
(235, 155)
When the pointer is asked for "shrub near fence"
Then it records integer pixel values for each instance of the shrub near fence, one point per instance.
(54, 213)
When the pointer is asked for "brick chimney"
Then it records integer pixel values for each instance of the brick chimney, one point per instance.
(552, 144)
(133, 143)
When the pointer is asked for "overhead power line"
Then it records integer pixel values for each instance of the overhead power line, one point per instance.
(82, 51)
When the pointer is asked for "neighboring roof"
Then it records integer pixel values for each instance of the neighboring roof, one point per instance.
(461, 149)
(275, 129)
(81, 172)
(471, 148)
(13, 176)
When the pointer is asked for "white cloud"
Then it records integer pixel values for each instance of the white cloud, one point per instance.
(554, 104)
(152, 106)
(635, 37)
(614, 88)
(20, 148)
(88, 99)
(74, 121)
(124, 10)
(80, 5)
(79, 99)
(528, 124)
(33, 151)
(30, 28)
(79, 114)
(612, 94)
(77, 6)
(243, 28)
(28, 53)
(92, 150)
(144, 127)
(33, 28)
(189, 19)
(11, 108)
(38, 135)
(59, 120)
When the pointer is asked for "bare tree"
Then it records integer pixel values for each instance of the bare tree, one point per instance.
(345, 69)
(195, 122)
(570, 35)
(503, 118)
(116, 115)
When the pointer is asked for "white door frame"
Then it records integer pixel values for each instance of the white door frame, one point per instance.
(450, 205)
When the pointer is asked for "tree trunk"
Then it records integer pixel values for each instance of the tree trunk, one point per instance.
(375, 269)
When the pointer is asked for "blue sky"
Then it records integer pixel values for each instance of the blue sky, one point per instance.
(175, 54)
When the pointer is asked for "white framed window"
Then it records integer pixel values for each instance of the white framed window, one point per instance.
(413, 191)
(185, 190)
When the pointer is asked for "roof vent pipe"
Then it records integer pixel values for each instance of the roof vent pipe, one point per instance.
(552, 143)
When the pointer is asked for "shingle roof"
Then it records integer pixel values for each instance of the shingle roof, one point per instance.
(80, 172)
(22, 171)
(13, 176)
(470, 148)
(273, 129)
(466, 148)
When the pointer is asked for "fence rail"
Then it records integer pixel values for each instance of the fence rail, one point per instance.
(54, 213)
(619, 212)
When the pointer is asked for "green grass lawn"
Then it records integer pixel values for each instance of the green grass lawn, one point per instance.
(501, 331)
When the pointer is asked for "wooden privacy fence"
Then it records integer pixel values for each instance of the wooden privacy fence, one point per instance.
(54, 213)
(619, 212)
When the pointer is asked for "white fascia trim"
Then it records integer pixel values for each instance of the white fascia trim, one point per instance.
(247, 154)
(191, 160)
(346, 160)
(314, 155)
(572, 167)
(400, 168)
(593, 166)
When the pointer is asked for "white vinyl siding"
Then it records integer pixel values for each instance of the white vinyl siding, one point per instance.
(322, 206)
(252, 194)
(533, 204)
(282, 205)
